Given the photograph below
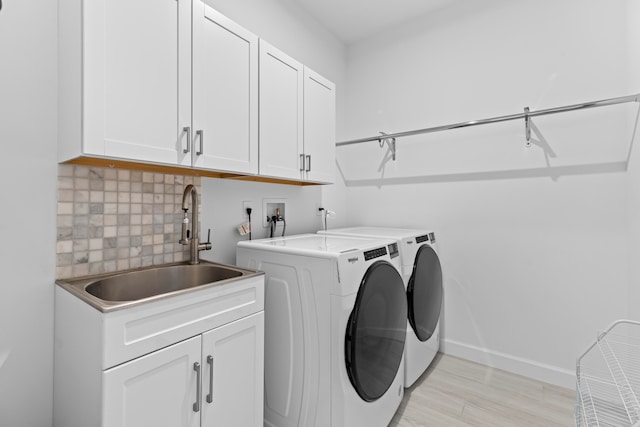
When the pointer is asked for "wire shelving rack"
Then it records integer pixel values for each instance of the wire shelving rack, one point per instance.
(608, 378)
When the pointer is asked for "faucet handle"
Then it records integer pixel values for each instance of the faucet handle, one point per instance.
(206, 246)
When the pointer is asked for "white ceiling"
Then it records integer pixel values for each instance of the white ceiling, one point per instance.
(352, 20)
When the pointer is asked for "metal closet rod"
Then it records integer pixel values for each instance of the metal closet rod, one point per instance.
(526, 115)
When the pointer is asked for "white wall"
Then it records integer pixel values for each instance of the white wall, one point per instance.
(27, 219)
(535, 256)
(533, 241)
(634, 170)
(290, 29)
(222, 212)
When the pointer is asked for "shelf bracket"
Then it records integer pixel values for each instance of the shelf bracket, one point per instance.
(391, 143)
(527, 126)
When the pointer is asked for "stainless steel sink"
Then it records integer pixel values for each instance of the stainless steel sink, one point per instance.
(108, 292)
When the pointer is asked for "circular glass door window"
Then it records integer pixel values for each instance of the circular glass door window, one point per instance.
(424, 293)
(376, 331)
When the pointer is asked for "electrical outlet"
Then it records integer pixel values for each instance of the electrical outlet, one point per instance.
(248, 204)
(270, 207)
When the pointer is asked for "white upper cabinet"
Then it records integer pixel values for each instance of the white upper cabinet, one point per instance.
(127, 89)
(125, 79)
(281, 104)
(297, 119)
(319, 127)
(175, 83)
(225, 93)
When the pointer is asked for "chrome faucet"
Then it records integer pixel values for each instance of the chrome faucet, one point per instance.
(192, 238)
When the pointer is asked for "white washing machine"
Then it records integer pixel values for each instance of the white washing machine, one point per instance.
(335, 329)
(422, 274)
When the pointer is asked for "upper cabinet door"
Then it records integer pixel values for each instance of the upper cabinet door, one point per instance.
(136, 88)
(319, 127)
(225, 93)
(281, 104)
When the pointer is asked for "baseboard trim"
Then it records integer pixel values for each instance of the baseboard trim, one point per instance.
(517, 365)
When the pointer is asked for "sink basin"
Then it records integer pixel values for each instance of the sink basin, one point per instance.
(123, 289)
(137, 285)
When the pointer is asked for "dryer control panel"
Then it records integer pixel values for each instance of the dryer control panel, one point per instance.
(421, 239)
(393, 250)
(427, 237)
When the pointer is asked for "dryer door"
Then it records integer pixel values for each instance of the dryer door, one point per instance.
(424, 293)
(376, 331)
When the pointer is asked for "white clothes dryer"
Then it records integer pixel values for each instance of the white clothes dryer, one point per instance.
(335, 328)
(422, 275)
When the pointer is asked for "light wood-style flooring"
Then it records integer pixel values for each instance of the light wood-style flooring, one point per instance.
(456, 392)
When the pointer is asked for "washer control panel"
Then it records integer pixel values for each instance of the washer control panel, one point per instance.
(375, 253)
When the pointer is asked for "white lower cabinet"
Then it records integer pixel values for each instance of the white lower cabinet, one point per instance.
(233, 385)
(189, 360)
(214, 379)
(158, 389)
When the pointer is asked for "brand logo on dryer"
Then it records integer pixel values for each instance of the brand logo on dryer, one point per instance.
(353, 260)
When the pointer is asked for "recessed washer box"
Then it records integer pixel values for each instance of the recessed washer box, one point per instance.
(270, 207)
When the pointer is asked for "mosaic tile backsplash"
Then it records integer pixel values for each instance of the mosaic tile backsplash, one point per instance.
(112, 219)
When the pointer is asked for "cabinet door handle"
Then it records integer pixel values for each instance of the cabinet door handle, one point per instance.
(196, 405)
(187, 129)
(301, 162)
(210, 363)
(200, 134)
(308, 169)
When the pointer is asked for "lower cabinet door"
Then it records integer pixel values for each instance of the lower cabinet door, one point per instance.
(233, 372)
(157, 390)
